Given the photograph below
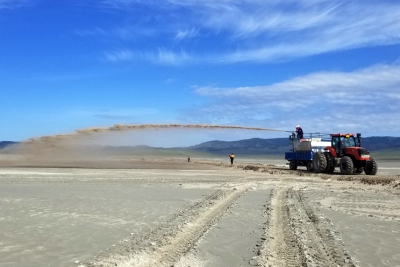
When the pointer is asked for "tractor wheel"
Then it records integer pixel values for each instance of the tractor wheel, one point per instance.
(346, 165)
(319, 162)
(330, 168)
(309, 166)
(292, 165)
(371, 168)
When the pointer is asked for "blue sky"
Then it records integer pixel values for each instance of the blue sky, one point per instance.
(330, 66)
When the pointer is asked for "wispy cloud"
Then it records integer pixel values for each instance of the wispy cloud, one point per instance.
(167, 57)
(266, 31)
(113, 114)
(119, 56)
(13, 3)
(184, 34)
(168, 81)
(283, 34)
(93, 32)
(361, 98)
(162, 57)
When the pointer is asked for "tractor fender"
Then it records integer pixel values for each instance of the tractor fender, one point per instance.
(332, 151)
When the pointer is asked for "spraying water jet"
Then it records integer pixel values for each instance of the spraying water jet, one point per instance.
(90, 144)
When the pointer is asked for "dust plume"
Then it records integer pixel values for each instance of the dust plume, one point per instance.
(92, 147)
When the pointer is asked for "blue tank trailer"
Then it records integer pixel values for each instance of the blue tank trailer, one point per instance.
(303, 150)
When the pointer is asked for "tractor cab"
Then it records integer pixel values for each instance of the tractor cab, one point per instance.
(341, 144)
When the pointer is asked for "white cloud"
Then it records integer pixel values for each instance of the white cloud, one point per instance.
(13, 3)
(262, 31)
(168, 81)
(184, 34)
(119, 56)
(310, 32)
(113, 114)
(365, 99)
(380, 77)
(94, 32)
(165, 56)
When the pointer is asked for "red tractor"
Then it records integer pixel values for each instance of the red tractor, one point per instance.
(345, 152)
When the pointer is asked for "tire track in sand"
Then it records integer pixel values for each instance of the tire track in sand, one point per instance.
(323, 245)
(279, 248)
(296, 236)
(164, 245)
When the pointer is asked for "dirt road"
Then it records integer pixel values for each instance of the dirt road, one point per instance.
(246, 215)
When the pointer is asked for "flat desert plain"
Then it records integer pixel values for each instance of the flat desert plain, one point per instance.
(170, 212)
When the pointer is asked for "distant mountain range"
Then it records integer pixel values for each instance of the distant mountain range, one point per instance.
(3, 144)
(252, 146)
(259, 146)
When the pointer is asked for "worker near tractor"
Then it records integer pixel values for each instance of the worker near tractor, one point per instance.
(232, 157)
(299, 132)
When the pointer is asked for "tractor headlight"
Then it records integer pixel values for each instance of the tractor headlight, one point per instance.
(363, 153)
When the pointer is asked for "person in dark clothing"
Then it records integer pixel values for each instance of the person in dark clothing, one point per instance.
(232, 157)
(299, 132)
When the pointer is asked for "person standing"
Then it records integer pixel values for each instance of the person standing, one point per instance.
(188, 158)
(232, 157)
(299, 132)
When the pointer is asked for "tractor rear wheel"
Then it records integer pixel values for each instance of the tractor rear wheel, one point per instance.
(346, 165)
(309, 166)
(319, 162)
(371, 168)
(292, 165)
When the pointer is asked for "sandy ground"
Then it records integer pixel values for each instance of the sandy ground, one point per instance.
(168, 212)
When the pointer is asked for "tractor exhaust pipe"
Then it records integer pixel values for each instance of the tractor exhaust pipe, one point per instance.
(359, 139)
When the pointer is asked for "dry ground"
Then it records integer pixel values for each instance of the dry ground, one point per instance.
(168, 212)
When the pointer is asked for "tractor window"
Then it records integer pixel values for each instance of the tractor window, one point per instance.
(335, 143)
(343, 142)
(349, 142)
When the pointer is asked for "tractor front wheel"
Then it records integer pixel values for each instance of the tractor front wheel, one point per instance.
(371, 168)
(346, 165)
(319, 162)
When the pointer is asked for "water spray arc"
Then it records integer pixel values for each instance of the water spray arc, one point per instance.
(121, 127)
(92, 146)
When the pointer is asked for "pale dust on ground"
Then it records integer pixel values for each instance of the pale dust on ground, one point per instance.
(168, 212)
